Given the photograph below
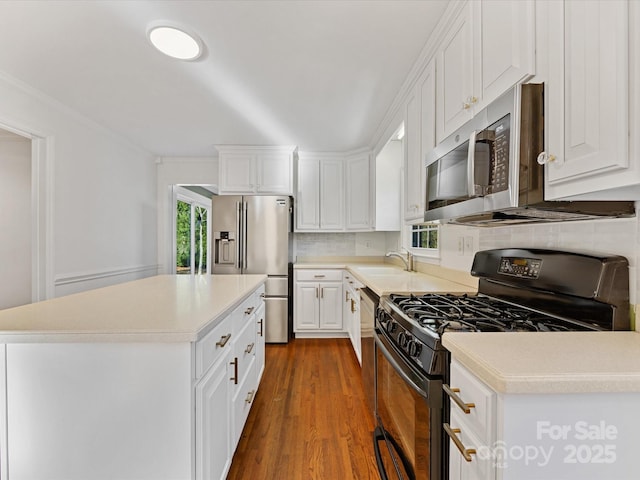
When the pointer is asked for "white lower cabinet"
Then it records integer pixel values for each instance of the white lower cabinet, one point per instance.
(318, 301)
(351, 312)
(530, 436)
(131, 411)
(213, 426)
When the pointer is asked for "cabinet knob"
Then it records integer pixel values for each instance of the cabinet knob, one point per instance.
(466, 105)
(545, 158)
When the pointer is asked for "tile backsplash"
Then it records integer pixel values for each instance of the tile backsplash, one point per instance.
(344, 244)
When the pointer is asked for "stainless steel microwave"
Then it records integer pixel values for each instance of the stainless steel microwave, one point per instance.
(487, 171)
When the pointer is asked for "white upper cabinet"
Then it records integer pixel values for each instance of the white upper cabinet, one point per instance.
(420, 118)
(320, 193)
(331, 194)
(592, 100)
(487, 49)
(455, 75)
(504, 46)
(357, 191)
(256, 170)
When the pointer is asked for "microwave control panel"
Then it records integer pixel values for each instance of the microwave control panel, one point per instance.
(520, 267)
(500, 161)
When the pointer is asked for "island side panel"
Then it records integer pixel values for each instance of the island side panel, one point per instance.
(99, 411)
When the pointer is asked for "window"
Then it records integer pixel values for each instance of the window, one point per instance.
(425, 236)
(191, 237)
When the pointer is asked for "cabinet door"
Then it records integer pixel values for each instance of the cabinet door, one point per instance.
(331, 305)
(331, 194)
(504, 45)
(455, 76)
(420, 142)
(306, 305)
(357, 193)
(275, 173)
(237, 173)
(587, 97)
(213, 423)
(308, 201)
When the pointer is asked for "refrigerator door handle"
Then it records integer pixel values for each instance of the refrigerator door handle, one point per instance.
(244, 236)
(238, 263)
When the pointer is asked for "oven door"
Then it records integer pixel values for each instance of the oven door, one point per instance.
(408, 438)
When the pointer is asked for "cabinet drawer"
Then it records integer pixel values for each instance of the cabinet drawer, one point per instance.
(244, 312)
(242, 402)
(351, 281)
(244, 350)
(471, 390)
(319, 275)
(217, 342)
(481, 464)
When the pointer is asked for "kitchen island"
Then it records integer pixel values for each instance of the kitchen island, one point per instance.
(545, 405)
(151, 379)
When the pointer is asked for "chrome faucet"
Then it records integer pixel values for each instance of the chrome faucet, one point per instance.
(408, 261)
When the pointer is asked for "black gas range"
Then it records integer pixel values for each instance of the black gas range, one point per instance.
(519, 290)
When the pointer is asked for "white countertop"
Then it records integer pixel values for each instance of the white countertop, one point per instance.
(553, 362)
(164, 308)
(385, 278)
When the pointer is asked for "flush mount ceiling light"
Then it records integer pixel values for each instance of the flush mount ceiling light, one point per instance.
(175, 41)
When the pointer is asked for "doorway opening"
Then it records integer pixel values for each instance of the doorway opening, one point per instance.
(191, 232)
(16, 220)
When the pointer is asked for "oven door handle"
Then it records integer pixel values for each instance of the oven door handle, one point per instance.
(389, 355)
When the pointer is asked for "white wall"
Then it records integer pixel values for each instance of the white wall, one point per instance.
(15, 220)
(96, 203)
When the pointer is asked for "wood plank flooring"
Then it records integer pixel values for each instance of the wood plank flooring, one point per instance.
(310, 418)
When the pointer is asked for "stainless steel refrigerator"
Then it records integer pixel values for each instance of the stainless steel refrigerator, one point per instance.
(252, 234)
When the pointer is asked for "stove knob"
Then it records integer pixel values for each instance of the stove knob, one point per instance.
(391, 326)
(404, 340)
(414, 348)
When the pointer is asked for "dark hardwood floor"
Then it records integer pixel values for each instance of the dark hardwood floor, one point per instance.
(310, 418)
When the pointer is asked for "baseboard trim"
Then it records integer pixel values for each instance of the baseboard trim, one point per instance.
(98, 275)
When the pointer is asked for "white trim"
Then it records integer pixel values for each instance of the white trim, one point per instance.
(42, 187)
(71, 278)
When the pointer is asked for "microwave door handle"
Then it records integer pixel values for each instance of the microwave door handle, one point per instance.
(471, 164)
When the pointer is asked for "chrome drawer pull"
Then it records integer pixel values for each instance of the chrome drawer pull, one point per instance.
(466, 452)
(249, 310)
(249, 348)
(250, 396)
(319, 276)
(452, 392)
(223, 340)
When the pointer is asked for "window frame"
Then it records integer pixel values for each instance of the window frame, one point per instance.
(427, 227)
(194, 200)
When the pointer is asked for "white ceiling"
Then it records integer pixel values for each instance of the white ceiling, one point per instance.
(317, 74)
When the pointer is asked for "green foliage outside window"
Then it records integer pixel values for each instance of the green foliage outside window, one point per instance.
(184, 211)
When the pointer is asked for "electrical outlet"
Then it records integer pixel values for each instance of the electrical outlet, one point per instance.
(460, 245)
(468, 244)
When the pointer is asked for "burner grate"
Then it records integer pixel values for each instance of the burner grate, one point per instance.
(448, 312)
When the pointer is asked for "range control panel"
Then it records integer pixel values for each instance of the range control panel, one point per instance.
(520, 267)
